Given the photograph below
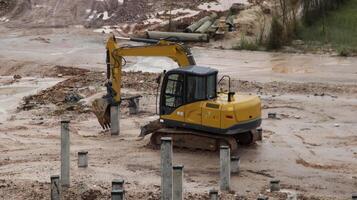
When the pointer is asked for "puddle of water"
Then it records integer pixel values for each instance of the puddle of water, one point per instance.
(5, 91)
(292, 69)
(11, 95)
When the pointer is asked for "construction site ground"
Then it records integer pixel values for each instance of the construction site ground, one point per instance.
(311, 147)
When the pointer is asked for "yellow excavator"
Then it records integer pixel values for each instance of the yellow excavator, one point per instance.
(192, 110)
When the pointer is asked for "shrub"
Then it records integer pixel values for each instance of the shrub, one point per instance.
(276, 38)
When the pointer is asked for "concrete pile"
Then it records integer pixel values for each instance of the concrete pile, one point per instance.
(203, 29)
(178, 36)
(202, 25)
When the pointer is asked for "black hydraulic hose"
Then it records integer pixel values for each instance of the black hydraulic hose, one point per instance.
(158, 81)
(157, 95)
(108, 64)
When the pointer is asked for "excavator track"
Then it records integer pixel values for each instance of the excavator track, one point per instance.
(191, 139)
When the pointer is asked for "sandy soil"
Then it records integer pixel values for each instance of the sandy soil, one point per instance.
(311, 147)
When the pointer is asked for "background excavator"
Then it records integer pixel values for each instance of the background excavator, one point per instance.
(192, 110)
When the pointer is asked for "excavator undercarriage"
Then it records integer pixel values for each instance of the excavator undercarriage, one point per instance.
(193, 139)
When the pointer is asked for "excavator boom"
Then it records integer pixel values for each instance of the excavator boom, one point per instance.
(115, 54)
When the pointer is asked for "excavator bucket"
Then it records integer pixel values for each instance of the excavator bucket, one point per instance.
(101, 108)
(151, 127)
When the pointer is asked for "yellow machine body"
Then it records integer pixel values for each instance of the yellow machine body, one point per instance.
(213, 112)
(218, 115)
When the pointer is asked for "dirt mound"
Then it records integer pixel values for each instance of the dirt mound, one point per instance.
(91, 13)
(67, 94)
(6, 6)
(14, 8)
(113, 12)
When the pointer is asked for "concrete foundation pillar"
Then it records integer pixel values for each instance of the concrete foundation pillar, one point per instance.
(134, 106)
(213, 194)
(292, 197)
(235, 163)
(166, 168)
(177, 175)
(260, 134)
(65, 153)
(115, 120)
(118, 184)
(83, 159)
(274, 185)
(354, 196)
(117, 195)
(225, 171)
(262, 198)
(55, 188)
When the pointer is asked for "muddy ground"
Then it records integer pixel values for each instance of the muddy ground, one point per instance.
(311, 147)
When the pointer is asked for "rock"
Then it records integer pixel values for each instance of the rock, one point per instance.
(322, 94)
(237, 7)
(291, 197)
(336, 125)
(298, 42)
(72, 97)
(272, 115)
(262, 197)
(17, 77)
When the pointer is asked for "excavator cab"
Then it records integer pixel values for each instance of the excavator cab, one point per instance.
(183, 86)
(189, 99)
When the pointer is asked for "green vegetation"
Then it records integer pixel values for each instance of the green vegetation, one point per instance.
(337, 27)
(316, 9)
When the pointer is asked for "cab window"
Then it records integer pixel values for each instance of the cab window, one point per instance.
(174, 91)
(196, 88)
(211, 86)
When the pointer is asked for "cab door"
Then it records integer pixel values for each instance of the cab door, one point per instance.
(172, 96)
(211, 110)
(195, 96)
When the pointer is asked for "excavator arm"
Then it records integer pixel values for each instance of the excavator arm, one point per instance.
(115, 54)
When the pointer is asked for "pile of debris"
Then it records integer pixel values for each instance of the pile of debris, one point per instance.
(212, 25)
(140, 81)
(60, 71)
(5, 6)
(66, 94)
(114, 12)
(81, 84)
